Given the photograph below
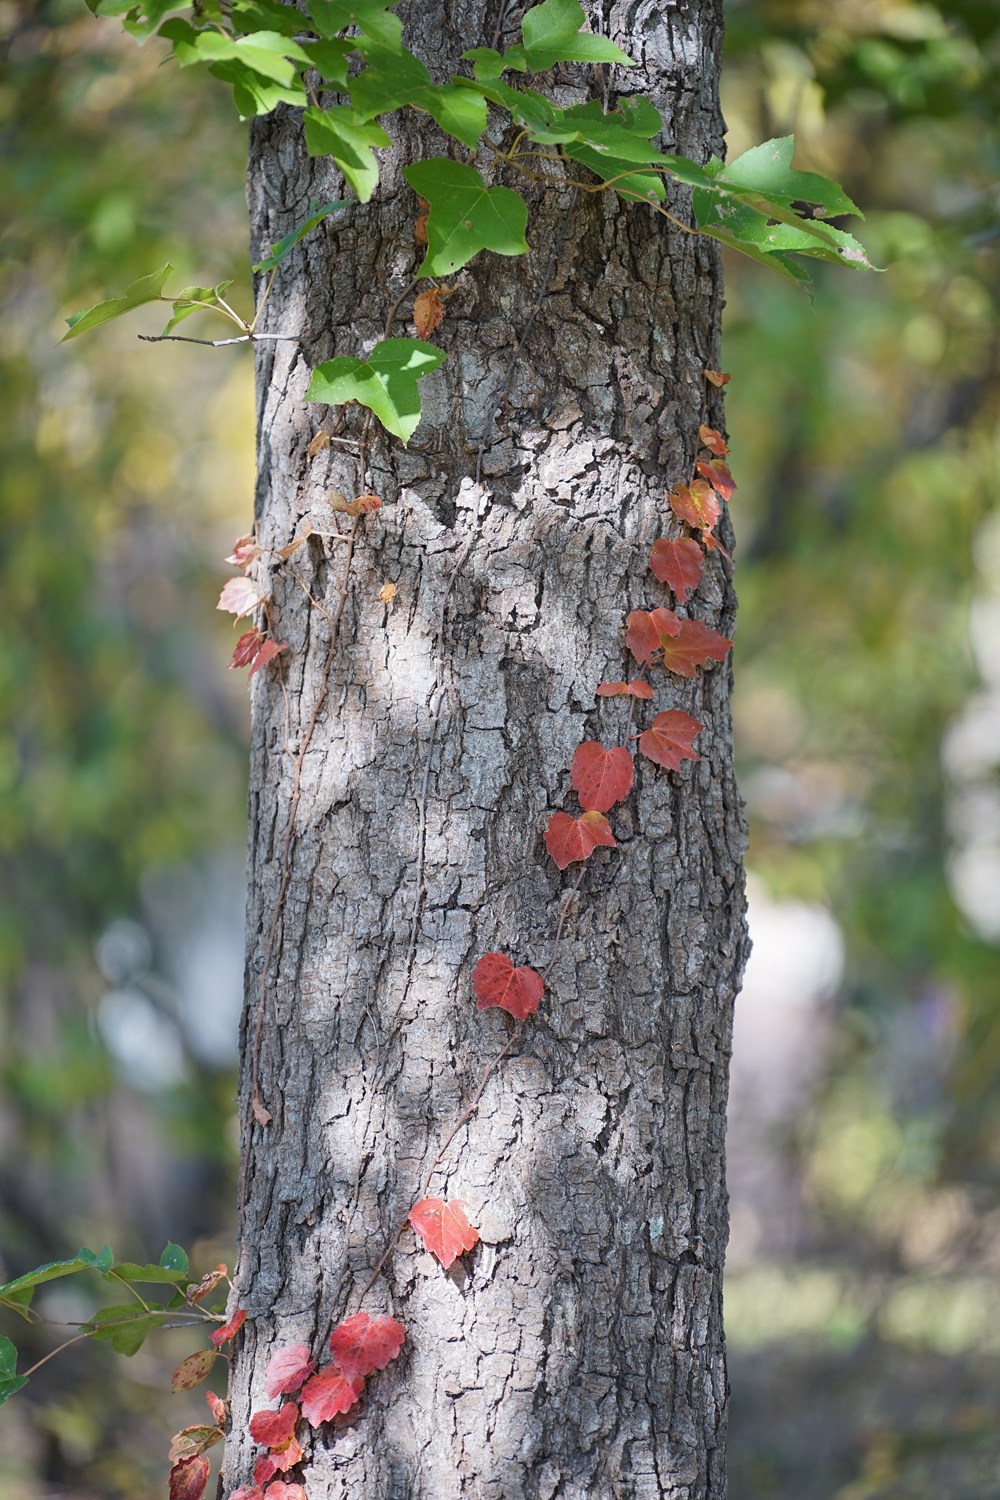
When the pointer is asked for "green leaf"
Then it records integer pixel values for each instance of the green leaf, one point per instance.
(488, 65)
(330, 17)
(386, 382)
(254, 95)
(268, 53)
(338, 133)
(20, 1302)
(196, 299)
(767, 170)
(175, 1259)
(266, 15)
(525, 106)
(130, 1273)
(330, 59)
(83, 1260)
(146, 289)
(10, 1381)
(396, 78)
(552, 34)
(284, 247)
(124, 1327)
(465, 215)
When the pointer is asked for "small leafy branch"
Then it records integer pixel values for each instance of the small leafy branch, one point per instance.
(269, 53)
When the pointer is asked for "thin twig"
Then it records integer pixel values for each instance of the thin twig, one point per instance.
(244, 338)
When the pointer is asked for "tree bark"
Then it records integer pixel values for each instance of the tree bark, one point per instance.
(578, 1351)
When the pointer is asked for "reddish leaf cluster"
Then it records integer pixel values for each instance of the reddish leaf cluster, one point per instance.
(240, 597)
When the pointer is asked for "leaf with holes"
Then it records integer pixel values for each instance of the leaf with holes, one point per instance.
(694, 646)
(193, 1370)
(678, 564)
(273, 1429)
(465, 215)
(193, 1440)
(668, 740)
(386, 382)
(695, 503)
(713, 440)
(719, 477)
(645, 630)
(601, 778)
(287, 1370)
(444, 1229)
(188, 1478)
(327, 1395)
(637, 688)
(362, 1344)
(569, 839)
(223, 1335)
(497, 982)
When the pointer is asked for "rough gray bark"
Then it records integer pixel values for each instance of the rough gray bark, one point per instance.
(578, 1352)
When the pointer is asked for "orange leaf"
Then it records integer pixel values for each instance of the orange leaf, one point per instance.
(217, 1407)
(193, 1370)
(497, 982)
(569, 839)
(328, 1394)
(287, 1370)
(192, 1440)
(668, 740)
(444, 1229)
(287, 1456)
(420, 227)
(695, 503)
(188, 1478)
(713, 440)
(646, 629)
(199, 1290)
(601, 777)
(223, 1335)
(678, 565)
(695, 645)
(362, 1344)
(716, 378)
(635, 689)
(428, 310)
(718, 474)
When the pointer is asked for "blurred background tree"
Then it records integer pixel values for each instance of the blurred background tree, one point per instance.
(866, 1116)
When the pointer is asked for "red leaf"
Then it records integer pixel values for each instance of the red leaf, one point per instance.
(216, 1406)
(246, 649)
(678, 565)
(668, 740)
(362, 1344)
(712, 544)
(601, 777)
(646, 629)
(264, 1469)
(716, 378)
(279, 1490)
(223, 1335)
(718, 475)
(188, 1478)
(248, 1492)
(245, 551)
(636, 688)
(287, 1370)
(192, 1440)
(327, 1394)
(428, 310)
(287, 1456)
(240, 597)
(695, 645)
(268, 651)
(713, 440)
(568, 839)
(193, 1370)
(696, 503)
(497, 982)
(272, 1429)
(199, 1290)
(444, 1229)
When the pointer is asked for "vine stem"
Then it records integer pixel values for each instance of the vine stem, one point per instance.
(244, 338)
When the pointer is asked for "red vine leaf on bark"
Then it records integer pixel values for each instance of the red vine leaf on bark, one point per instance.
(362, 1344)
(428, 309)
(668, 740)
(248, 1492)
(268, 651)
(719, 476)
(716, 378)
(188, 1478)
(362, 506)
(223, 1335)
(645, 630)
(240, 597)
(697, 504)
(569, 839)
(246, 648)
(245, 551)
(712, 439)
(287, 1370)
(198, 1290)
(280, 1490)
(327, 1395)
(444, 1229)
(637, 688)
(420, 227)
(193, 1370)
(497, 982)
(272, 1429)
(264, 1469)
(601, 778)
(677, 564)
(193, 1440)
(217, 1407)
(288, 1456)
(694, 646)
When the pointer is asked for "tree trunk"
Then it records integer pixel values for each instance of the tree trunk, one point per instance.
(578, 1351)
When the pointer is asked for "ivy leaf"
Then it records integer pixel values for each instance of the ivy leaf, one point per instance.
(569, 839)
(253, 94)
(645, 631)
(552, 34)
(188, 1478)
(240, 597)
(287, 1370)
(668, 740)
(696, 503)
(362, 1344)
(488, 65)
(192, 1440)
(282, 248)
(465, 215)
(678, 564)
(129, 1272)
(601, 777)
(124, 1327)
(394, 78)
(193, 1370)
(331, 61)
(330, 17)
(259, 15)
(497, 982)
(328, 1394)
(719, 476)
(268, 53)
(444, 1229)
(273, 1429)
(712, 439)
(428, 310)
(637, 688)
(386, 382)
(83, 1260)
(196, 299)
(767, 170)
(338, 133)
(223, 1335)
(10, 1381)
(694, 645)
(146, 289)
